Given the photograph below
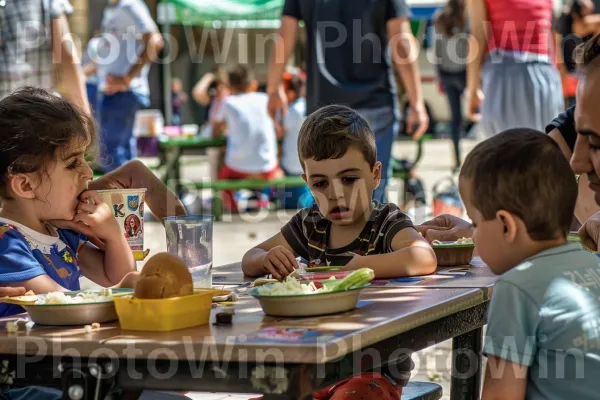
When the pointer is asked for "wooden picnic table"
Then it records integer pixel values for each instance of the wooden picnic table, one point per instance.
(284, 358)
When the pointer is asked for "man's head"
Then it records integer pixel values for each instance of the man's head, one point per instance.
(517, 185)
(338, 154)
(241, 79)
(586, 155)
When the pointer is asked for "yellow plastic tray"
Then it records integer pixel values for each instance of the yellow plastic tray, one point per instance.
(166, 314)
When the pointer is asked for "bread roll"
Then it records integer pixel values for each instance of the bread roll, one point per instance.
(164, 276)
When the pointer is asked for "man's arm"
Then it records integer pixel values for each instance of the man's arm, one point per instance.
(134, 174)
(405, 52)
(283, 47)
(477, 46)
(200, 90)
(65, 54)
(153, 44)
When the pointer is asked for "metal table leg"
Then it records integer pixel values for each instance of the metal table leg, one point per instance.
(466, 366)
(173, 169)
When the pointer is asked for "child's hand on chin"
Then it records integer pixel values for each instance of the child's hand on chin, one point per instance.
(96, 218)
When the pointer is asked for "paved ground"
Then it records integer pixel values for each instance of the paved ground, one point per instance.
(235, 235)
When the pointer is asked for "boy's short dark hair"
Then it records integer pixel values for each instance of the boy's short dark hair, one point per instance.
(523, 172)
(331, 130)
(239, 78)
(34, 126)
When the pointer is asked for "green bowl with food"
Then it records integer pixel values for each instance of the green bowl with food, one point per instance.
(452, 254)
(295, 298)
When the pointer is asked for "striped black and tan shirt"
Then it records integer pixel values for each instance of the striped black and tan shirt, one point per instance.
(308, 235)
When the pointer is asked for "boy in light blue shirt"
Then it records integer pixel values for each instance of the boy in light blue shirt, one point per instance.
(543, 335)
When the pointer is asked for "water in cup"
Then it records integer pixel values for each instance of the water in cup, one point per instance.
(190, 238)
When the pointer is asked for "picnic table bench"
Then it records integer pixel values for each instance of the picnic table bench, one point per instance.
(172, 148)
(238, 184)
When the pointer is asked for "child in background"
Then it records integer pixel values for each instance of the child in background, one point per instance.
(211, 91)
(43, 182)
(178, 99)
(295, 197)
(251, 142)
(346, 227)
(543, 333)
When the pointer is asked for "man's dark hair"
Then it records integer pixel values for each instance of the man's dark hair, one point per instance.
(239, 78)
(523, 171)
(587, 53)
(36, 127)
(331, 130)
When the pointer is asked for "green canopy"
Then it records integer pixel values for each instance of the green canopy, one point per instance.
(221, 13)
(248, 13)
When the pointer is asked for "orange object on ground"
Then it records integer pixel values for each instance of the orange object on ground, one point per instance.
(364, 386)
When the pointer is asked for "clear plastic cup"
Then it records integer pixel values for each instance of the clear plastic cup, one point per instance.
(191, 239)
(128, 209)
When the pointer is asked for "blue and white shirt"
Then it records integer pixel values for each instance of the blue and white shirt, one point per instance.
(123, 26)
(26, 254)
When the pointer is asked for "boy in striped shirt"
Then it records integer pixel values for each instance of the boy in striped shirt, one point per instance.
(346, 227)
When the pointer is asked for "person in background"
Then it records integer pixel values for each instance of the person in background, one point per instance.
(211, 91)
(178, 99)
(357, 72)
(296, 197)
(576, 144)
(579, 19)
(451, 47)
(35, 65)
(251, 141)
(89, 69)
(123, 79)
(512, 64)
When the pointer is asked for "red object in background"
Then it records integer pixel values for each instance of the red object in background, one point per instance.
(446, 199)
(570, 85)
(441, 207)
(441, 87)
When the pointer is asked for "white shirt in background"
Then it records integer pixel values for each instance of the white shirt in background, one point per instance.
(123, 26)
(296, 115)
(251, 140)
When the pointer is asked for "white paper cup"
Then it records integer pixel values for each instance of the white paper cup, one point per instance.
(128, 208)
